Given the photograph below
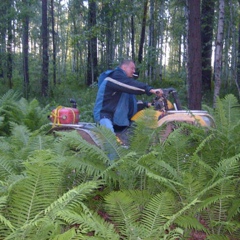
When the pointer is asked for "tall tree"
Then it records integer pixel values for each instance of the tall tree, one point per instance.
(133, 36)
(151, 42)
(143, 29)
(237, 79)
(3, 31)
(25, 50)
(218, 52)
(92, 62)
(9, 43)
(109, 8)
(45, 57)
(53, 42)
(207, 19)
(161, 37)
(194, 56)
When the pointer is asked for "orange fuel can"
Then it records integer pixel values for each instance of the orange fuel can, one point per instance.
(64, 115)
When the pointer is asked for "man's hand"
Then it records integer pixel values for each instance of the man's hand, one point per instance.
(158, 91)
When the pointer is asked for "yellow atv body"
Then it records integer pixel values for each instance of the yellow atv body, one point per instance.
(195, 117)
(166, 113)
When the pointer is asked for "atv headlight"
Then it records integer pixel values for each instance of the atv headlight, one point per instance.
(208, 121)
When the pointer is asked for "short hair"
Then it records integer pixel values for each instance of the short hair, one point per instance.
(125, 62)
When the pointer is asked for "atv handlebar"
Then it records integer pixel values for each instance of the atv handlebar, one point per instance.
(160, 102)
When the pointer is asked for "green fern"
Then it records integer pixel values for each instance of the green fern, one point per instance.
(88, 158)
(152, 220)
(9, 110)
(157, 212)
(226, 133)
(33, 116)
(122, 210)
(34, 201)
(16, 148)
(110, 144)
(89, 222)
(14, 109)
(3, 220)
(36, 191)
(165, 189)
(144, 133)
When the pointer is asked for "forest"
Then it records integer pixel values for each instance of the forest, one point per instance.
(56, 185)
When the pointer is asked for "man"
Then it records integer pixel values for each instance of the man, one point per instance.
(115, 102)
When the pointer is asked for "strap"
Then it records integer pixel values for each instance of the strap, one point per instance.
(56, 115)
(74, 115)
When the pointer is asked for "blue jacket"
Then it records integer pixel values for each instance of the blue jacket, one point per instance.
(115, 98)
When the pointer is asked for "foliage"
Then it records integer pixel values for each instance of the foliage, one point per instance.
(17, 110)
(62, 187)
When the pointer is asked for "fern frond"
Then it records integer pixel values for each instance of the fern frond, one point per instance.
(9, 110)
(109, 143)
(68, 235)
(3, 220)
(10, 96)
(227, 115)
(86, 158)
(6, 168)
(217, 237)
(122, 210)
(145, 132)
(20, 134)
(70, 143)
(207, 202)
(155, 168)
(34, 116)
(219, 195)
(226, 107)
(36, 191)
(178, 148)
(47, 218)
(188, 222)
(72, 198)
(175, 216)
(229, 166)
(158, 211)
(18, 146)
(169, 183)
(90, 222)
(234, 209)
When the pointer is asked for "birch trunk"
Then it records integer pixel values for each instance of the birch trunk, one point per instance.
(237, 78)
(218, 53)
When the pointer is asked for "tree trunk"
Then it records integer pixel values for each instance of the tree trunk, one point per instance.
(25, 53)
(92, 71)
(207, 18)
(237, 79)
(133, 37)
(109, 36)
(53, 43)
(151, 44)
(194, 56)
(161, 39)
(142, 38)
(9, 47)
(45, 60)
(218, 53)
(3, 33)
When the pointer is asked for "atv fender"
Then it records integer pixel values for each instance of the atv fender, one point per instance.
(197, 118)
(84, 129)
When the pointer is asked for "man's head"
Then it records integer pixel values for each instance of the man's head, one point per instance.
(128, 66)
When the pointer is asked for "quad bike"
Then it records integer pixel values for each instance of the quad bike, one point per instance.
(167, 113)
